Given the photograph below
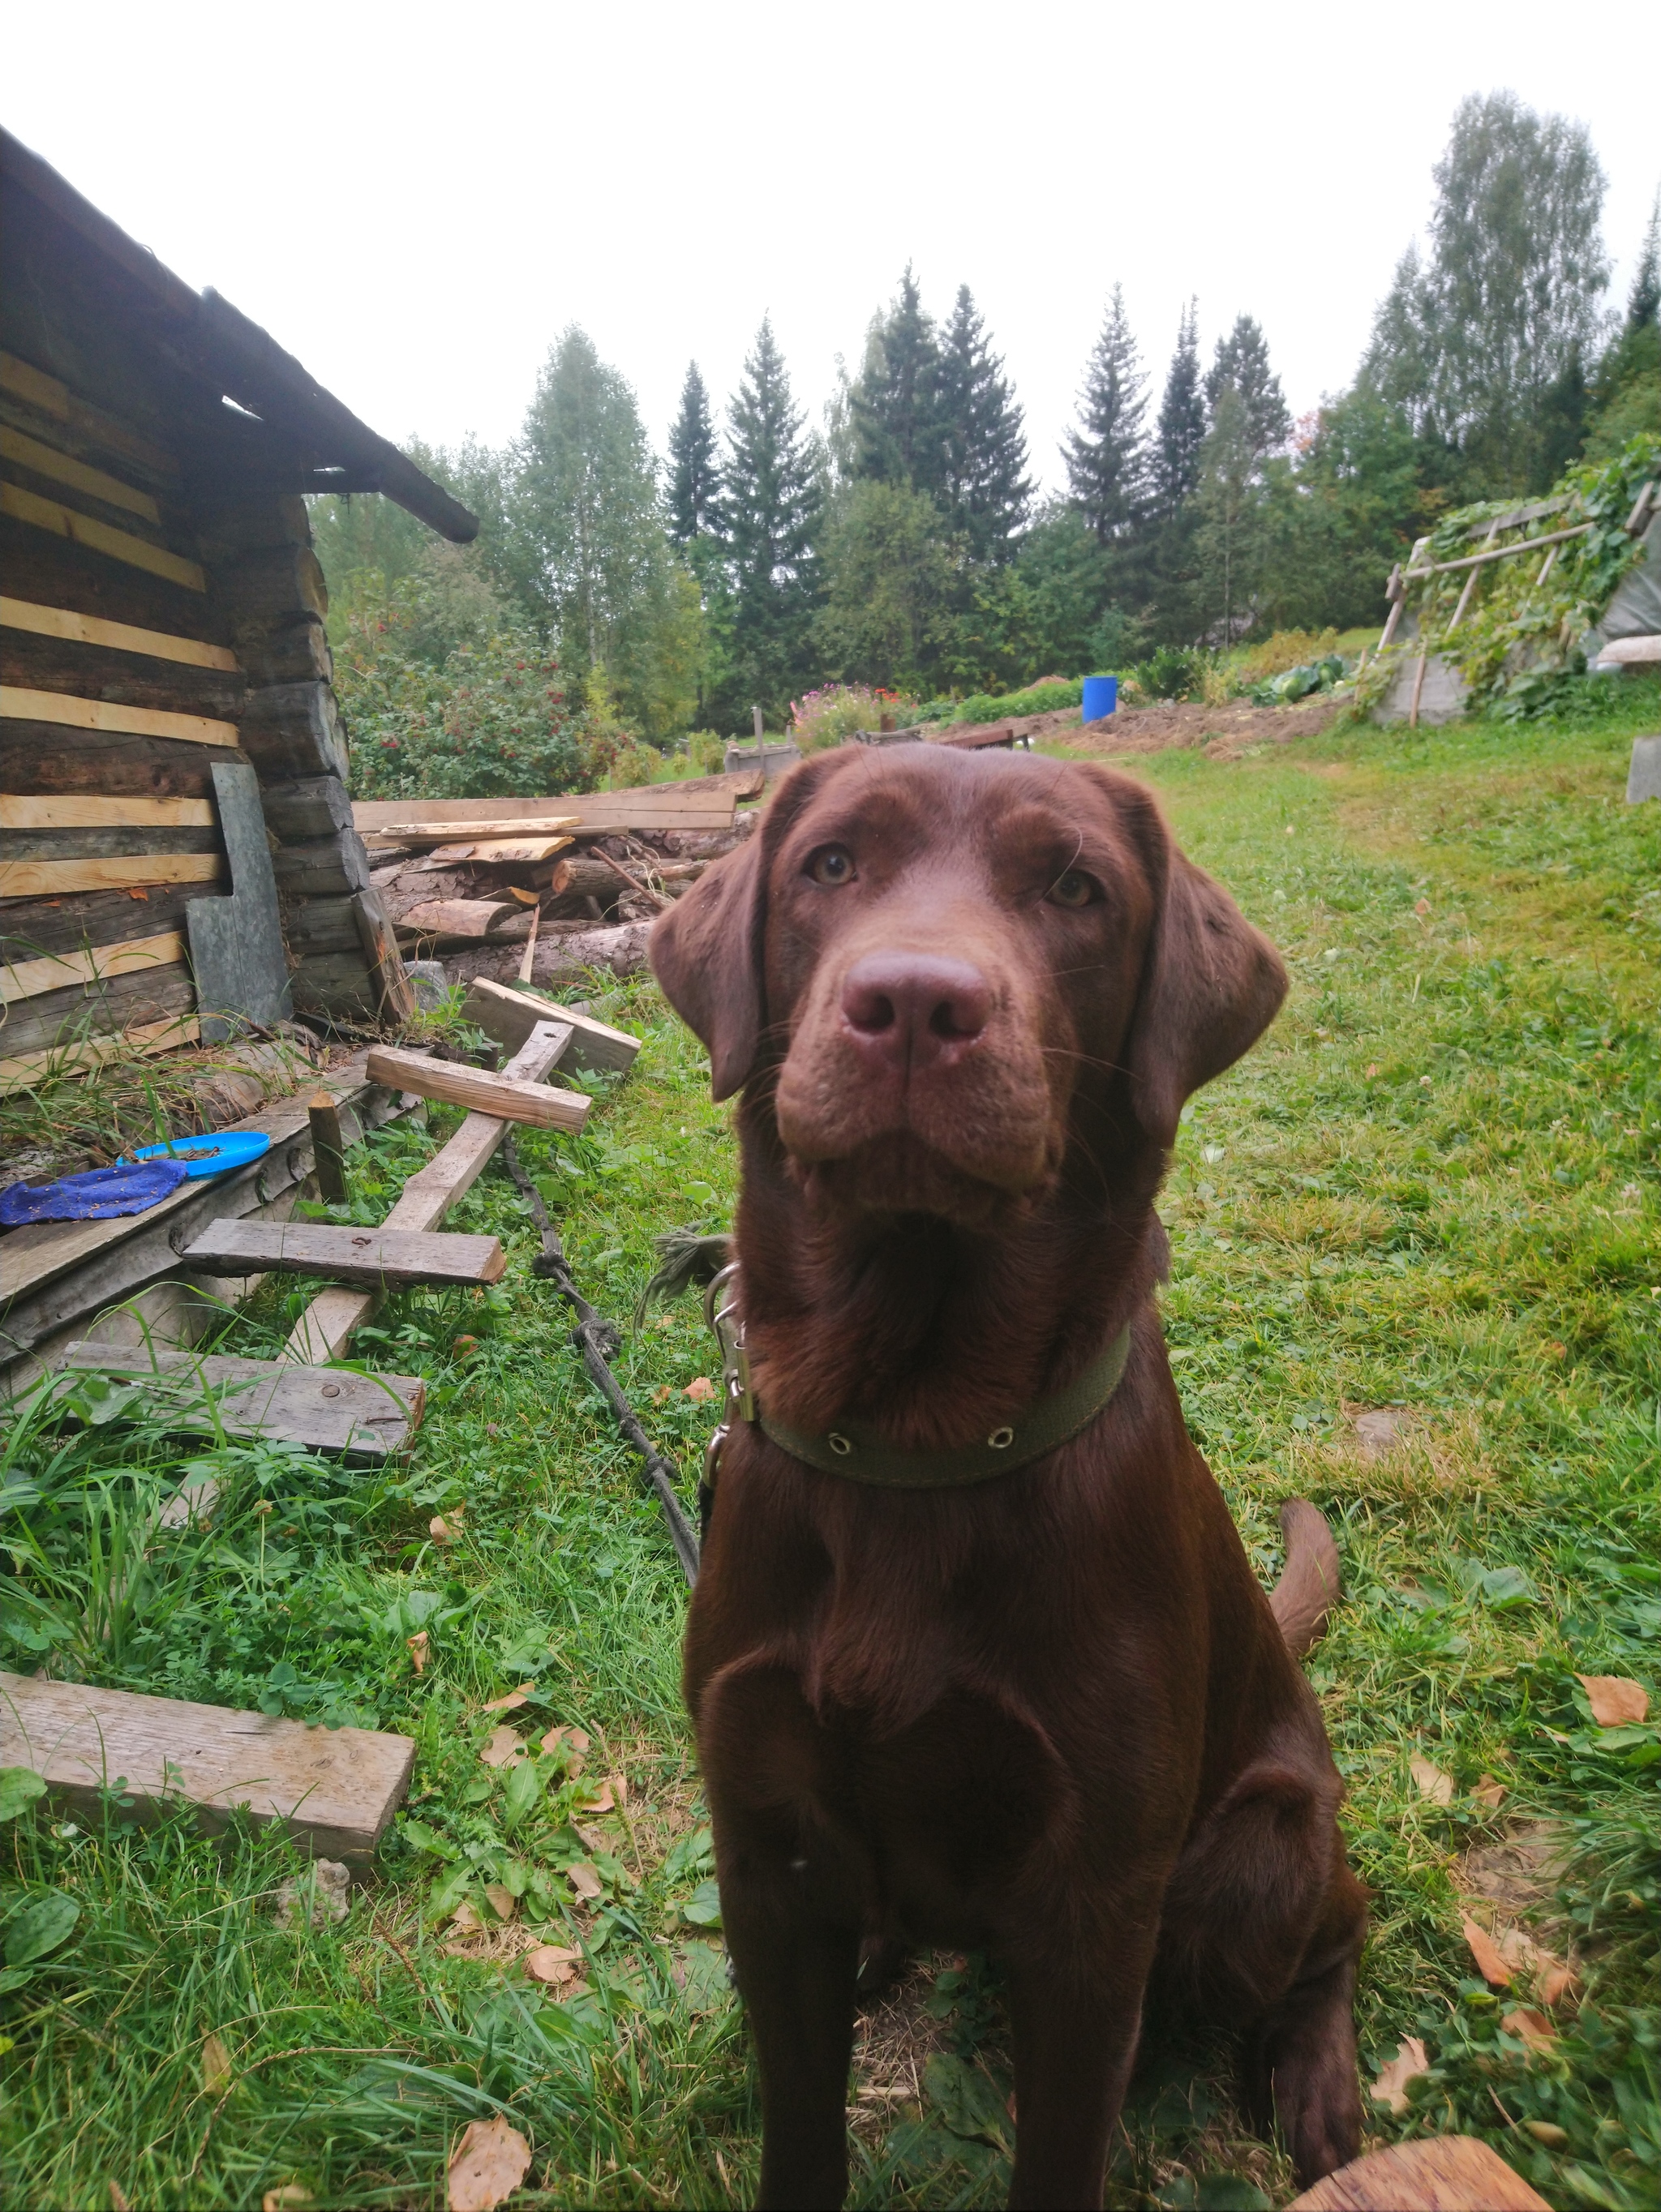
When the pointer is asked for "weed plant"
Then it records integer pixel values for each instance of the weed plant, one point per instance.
(1433, 1189)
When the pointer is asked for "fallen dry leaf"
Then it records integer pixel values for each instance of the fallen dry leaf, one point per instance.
(1548, 2133)
(1489, 1963)
(572, 1742)
(215, 2066)
(119, 2201)
(504, 1748)
(1535, 2029)
(1489, 1791)
(1557, 1982)
(465, 1920)
(663, 1394)
(1431, 1781)
(502, 1902)
(417, 1645)
(619, 1786)
(463, 1347)
(512, 1700)
(599, 1798)
(487, 2166)
(1409, 2062)
(700, 1389)
(1615, 1701)
(551, 1963)
(291, 2195)
(443, 1531)
(583, 1879)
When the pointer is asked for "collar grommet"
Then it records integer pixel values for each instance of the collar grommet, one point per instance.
(1001, 1439)
(839, 1444)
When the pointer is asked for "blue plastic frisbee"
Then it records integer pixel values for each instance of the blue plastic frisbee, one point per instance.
(211, 1156)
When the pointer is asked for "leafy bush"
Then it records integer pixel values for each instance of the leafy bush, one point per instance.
(1174, 671)
(706, 753)
(831, 715)
(486, 715)
(1277, 655)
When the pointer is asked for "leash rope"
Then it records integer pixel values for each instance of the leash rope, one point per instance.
(597, 1343)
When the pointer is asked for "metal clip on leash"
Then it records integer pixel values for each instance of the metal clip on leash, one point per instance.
(738, 1398)
(596, 1340)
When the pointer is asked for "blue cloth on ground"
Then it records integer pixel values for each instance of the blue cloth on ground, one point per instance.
(95, 1196)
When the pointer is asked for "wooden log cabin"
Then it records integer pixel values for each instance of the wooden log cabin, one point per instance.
(177, 851)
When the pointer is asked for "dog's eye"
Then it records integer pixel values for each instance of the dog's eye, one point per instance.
(831, 865)
(1074, 888)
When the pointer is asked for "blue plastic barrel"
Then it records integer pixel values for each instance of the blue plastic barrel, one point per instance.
(1101, 697)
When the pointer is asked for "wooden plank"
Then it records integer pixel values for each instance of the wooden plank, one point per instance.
(20, 706)
(65, 1014)
(118, 637)
(503, 851)
(25, 1069)
(100, 537)
(54, 810)
(324, 1408)
(1500, 552)
(1443, 2173)
(31, 929)
(388, 1258)
(480, 1093)
(51, 879)
(437, 833)
(47, 461)
(510, 1015)
(37, 566)
(324, 1330)
(334, 1789)
(647, 807)
(36, 389)
(27, 979)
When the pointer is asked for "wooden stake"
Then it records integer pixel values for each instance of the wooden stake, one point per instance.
(328, 1149)
(1418, 687)
(530, 948)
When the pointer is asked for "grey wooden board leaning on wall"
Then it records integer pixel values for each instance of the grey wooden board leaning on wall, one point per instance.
(327, 1409)
(376, 1258)
(336, 1789)
(236, 942)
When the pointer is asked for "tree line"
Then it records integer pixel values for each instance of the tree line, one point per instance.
(903, 542)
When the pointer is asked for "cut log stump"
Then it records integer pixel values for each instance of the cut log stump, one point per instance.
(377, 1259)
(327, 1409)
(334, 1789)
(1443, 2173)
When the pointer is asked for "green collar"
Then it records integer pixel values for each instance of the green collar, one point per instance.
(852, 1451)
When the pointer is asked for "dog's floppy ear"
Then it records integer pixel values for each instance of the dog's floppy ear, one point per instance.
(1211, 986)
(706, 951)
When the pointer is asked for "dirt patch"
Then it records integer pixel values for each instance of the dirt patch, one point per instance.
(1221, 733)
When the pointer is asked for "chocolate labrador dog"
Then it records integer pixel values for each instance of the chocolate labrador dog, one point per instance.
(976, 1657)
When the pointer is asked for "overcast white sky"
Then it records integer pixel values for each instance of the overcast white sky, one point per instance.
(415, 200)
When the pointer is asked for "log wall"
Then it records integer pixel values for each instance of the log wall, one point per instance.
(160, 608)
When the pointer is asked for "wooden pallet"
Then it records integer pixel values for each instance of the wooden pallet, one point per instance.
(334, 1789)
(328, 1409)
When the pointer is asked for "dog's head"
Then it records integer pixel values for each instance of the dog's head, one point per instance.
(941, 956)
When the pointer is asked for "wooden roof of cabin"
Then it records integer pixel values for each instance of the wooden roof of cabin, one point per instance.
(280, 430)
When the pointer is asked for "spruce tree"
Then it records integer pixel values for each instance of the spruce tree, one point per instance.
(898, 434)
(1644, 300)
(983, 480)
(1241, 361)
(1106, 457)
(1182, 423)
(694, 474)
(772, 502)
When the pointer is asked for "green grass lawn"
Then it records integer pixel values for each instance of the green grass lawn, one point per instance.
(1432, 1189)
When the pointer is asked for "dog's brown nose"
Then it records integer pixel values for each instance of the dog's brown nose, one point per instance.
(913, 1009)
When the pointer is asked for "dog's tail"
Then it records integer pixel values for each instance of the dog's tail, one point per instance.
(1310, 1582)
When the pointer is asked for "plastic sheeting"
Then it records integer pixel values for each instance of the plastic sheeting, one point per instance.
(1635, 609)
